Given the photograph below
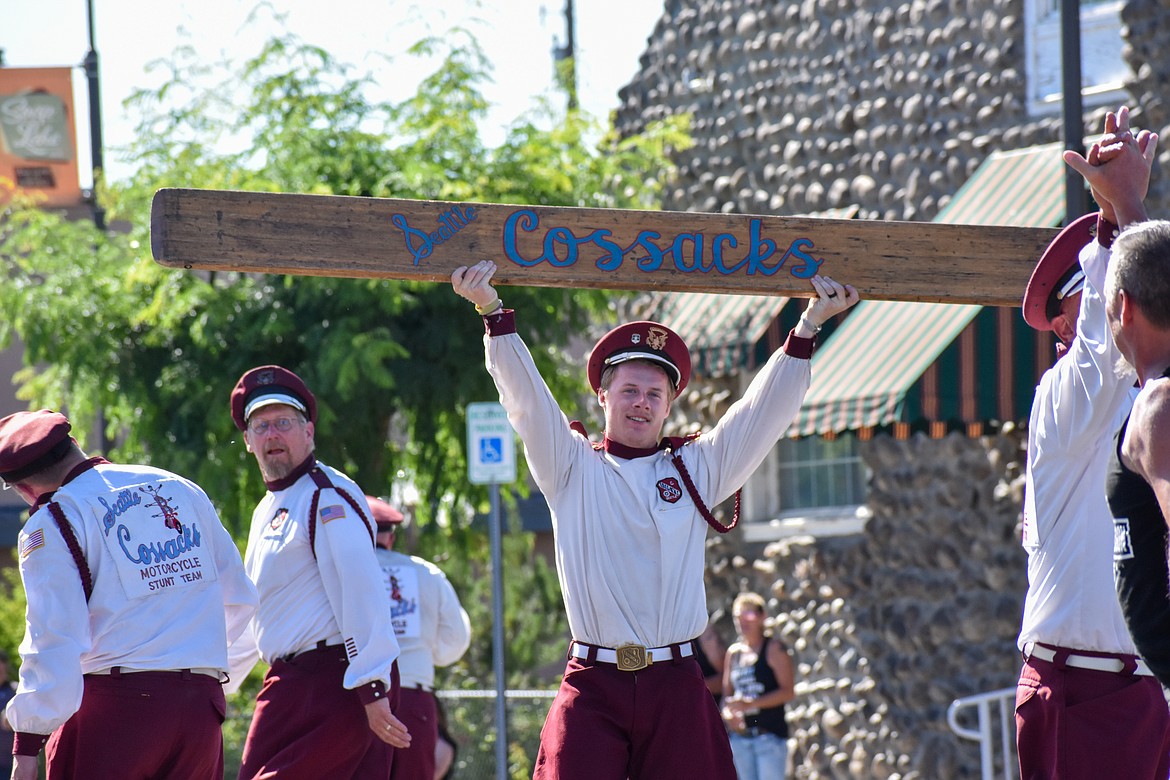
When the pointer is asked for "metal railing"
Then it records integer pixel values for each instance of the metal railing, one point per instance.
(1004, 699)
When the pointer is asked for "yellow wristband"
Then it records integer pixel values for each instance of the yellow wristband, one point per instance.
(488, 309)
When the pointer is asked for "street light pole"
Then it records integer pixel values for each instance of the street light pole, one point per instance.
(95, 118)
(1075, 198)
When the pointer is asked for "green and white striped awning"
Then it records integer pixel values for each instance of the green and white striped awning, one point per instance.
(862, 374)
(724, 332)
(720, 330)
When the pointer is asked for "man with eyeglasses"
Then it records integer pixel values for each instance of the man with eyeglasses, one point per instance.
(323, 623)
(134, 590)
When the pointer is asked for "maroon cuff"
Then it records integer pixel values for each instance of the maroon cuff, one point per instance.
(28, 744)
(372, 692)
(795, 346)
(501, 323)
(1106, 232)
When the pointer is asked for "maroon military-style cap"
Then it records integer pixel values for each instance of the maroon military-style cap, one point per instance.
(387, 517)
(30, 442)
(266, 385)
(1058, 274)
(642, 340)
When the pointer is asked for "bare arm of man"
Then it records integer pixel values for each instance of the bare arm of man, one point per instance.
(1146, 449)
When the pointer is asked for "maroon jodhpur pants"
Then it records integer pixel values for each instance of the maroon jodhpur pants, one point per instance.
(659, 723)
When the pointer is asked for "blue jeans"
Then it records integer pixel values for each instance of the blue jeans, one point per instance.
(762, 757)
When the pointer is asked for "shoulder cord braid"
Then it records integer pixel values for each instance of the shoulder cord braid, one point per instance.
(321, 479)
(677, 460)
(74, 548)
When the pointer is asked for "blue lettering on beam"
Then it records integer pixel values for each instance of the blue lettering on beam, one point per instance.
(421, 244)
(688, 251)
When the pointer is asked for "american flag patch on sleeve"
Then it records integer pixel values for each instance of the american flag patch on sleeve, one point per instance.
(331, 513)
(33, 541)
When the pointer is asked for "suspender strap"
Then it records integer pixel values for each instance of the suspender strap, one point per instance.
(673, 445)
(74, 548)
(321, 480)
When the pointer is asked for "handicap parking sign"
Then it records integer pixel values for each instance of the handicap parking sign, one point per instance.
(491, 450)
(491, 444)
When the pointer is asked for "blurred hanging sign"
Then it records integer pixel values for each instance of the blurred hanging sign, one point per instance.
(38, 144)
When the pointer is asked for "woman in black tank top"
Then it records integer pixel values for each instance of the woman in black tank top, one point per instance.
(757, 682)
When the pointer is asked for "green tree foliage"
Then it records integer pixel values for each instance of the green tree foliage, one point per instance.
(150, 354)
(155, 352)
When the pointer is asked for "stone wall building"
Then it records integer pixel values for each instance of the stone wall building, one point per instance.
(804, 106)
(885, 111)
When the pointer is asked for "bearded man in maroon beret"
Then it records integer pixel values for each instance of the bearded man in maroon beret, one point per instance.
(630, 519)
(323, 622)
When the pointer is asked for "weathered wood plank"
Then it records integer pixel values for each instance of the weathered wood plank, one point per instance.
(322, 235)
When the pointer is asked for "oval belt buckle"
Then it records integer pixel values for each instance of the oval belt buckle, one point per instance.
(631, 658)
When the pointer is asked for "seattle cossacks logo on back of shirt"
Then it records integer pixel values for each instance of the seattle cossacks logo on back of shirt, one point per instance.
(151, 556)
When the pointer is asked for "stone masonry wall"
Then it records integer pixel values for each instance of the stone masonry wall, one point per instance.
(803, 106)
(887, 628)
(813, 104)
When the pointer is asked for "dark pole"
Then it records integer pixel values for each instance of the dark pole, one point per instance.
(571, 48)
(1075, 197)
(95, 146)
(95, 118)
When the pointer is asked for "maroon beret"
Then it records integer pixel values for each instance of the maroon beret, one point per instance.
(387, 517)
(1058, 269)
(642, 340)
(266, 385)
(30, 442)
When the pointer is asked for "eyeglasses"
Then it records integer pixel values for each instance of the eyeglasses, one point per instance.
(281, 424)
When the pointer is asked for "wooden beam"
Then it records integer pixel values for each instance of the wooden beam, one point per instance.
(546, 246)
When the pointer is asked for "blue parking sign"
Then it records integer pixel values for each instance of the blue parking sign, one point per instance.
(491, 450)
(491, 444)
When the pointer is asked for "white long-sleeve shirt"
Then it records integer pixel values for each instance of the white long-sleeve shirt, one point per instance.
(629, 547)
(338, 596)
(1068, 529)
(169, 589)
(430, 624)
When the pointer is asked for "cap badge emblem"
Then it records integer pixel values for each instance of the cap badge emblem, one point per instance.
(266, 377)
(656, 339)
(635, 338)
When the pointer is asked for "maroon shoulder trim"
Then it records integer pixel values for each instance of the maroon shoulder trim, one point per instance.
(501, 323)
(672, 443)
(70, 537)
(795, 346)
(322, 481)
(73, 474)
